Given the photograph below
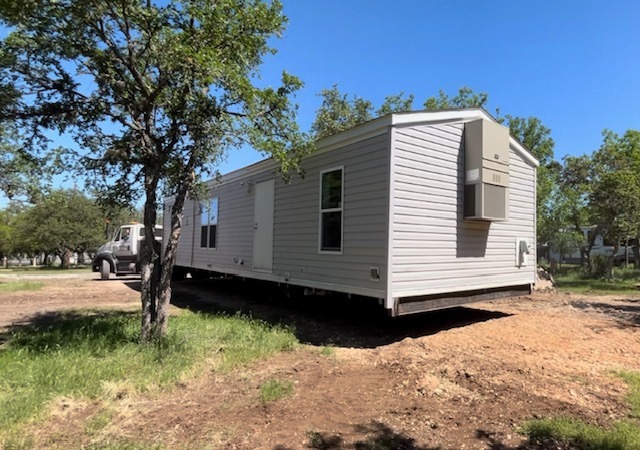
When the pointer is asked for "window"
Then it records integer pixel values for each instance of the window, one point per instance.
(331, 193)
(209, 223)
(122, 234)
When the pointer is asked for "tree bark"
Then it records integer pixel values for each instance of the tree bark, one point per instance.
(611, 261)
(169, 259)
(149, 256)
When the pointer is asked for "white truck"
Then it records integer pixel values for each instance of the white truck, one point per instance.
(121, 255)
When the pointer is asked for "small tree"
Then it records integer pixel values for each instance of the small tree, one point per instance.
(565, 242)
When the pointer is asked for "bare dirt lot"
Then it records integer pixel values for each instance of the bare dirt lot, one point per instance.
(461, 378)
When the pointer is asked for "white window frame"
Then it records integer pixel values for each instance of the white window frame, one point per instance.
(328, 210)
(205, 207)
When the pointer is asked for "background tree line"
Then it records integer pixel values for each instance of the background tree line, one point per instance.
(599, 190)
(56, 226)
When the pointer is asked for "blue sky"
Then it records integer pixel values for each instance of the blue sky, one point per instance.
(573, 64)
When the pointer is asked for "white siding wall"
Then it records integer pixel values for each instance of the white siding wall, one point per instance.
(365, 217)
(296, 223)
(433, 249)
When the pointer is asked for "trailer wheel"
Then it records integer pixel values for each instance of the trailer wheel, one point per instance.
(105, 270)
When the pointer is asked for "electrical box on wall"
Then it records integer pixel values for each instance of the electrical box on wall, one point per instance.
(522, 252)
(486, 168)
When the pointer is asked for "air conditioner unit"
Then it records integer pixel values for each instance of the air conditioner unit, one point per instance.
(486, 160)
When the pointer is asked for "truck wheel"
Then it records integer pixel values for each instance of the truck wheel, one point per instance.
(105, 270)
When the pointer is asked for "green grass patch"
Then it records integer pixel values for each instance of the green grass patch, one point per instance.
(573, 278)
(633, 380)
(15, 286)
(45, 270)
(81, 353)
(623, 435)
(273, 390)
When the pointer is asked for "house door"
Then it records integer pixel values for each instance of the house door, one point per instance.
(263, 226)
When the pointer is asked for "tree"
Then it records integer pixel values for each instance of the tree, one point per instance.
(395, 103)
(615, 195)
(337, 113)
(572, 196)
(22, 175)
(466, 98)
(64, 221)
(154, 93)
(537, 138)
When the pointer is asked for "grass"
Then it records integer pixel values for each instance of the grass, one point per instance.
(15, 286)
(11, 270)
(572, 278)
(273, 390)
(623, 435)
(81, 354)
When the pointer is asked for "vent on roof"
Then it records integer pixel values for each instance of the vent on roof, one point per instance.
(486, 161)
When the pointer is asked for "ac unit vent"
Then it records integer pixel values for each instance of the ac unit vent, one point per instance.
(486, 160)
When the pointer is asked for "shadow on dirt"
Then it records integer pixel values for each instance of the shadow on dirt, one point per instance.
(627, 312)
(321, 320)
(380, 436)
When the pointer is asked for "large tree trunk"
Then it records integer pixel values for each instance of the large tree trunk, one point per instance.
(149, 257)
(169, 259)
(66, 259)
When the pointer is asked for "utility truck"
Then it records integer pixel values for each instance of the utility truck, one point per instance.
(121, 255)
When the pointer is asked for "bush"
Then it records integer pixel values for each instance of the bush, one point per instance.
(599, 266)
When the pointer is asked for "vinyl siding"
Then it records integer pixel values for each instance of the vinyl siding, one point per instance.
(234, 246)
(433, 249)
(365, 216)
(296, 257)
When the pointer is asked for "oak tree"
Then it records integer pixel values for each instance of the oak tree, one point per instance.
(154, 93)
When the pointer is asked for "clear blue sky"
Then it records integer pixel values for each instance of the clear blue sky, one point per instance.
(573, 64)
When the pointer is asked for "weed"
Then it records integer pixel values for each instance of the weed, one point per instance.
(15, 286)
(275, 389)
(327, 350)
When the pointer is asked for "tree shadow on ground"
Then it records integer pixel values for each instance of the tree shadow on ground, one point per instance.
(626, 314)
(379, 436)
(41, 333)
(321, 320)
(494, 443)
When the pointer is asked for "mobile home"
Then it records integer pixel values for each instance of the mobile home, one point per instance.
(419, 210)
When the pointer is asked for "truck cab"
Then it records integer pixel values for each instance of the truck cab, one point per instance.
(121, 255)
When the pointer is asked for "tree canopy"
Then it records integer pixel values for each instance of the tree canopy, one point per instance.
(154, 93)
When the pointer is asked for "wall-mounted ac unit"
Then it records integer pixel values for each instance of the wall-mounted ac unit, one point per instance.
(486, 161)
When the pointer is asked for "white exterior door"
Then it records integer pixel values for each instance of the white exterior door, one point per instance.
(263, 226)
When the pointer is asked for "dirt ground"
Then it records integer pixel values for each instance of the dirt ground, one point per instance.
(460, 378)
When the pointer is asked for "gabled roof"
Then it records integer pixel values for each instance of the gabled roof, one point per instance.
(379, 126)
(382, 124)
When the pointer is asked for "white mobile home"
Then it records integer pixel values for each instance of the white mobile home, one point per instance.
(420, 210)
